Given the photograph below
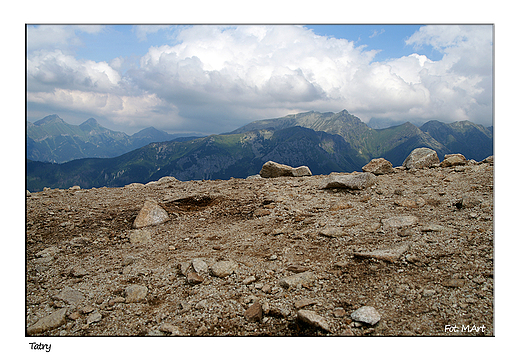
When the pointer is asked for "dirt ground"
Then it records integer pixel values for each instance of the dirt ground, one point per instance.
(418, 246)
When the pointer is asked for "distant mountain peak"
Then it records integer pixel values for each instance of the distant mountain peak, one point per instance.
(54, 118)
(90, 124)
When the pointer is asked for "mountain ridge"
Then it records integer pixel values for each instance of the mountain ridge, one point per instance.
(242, 152)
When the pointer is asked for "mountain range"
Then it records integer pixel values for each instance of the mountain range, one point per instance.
(325, 142)
(53, 140)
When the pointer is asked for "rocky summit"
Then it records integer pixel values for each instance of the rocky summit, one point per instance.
(405, 251)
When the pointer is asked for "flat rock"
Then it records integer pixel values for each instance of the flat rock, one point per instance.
(421, 158)
(305, 302)
(70, 296)
(135, 293)
(304, 279)
(313, 319)
(388, 254)
(410, 202)
(171, 329)
(354, 181)
(332, 232)
(399, 221)
(94, 317)
(366, 314)
(273, 170)
(223, 268)
(52, 321)
(378, 166)
(151, 214)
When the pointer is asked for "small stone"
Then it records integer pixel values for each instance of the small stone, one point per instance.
(223, 268)
(305, 302)
(52, 321)
(410, 202)
(378, 166)
(254, 312)
(74, 315)
(249, 280)
(194, 279)
(332, 232)
(313, 319)
(388, 254)
(135, 293)
(305, 279)
(151, 214)
(366, 314)
(468, 201)
(94, 317)
(201, 331)
(339, 312)
(171, 329)
(75, 188)
(453, 283)
(266, 288)
(432, 228)
(399, 221)
(428, 293)
(297, 268)
(199, 265)
(260, 212)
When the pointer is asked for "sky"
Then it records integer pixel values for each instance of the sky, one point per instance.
(215, 78)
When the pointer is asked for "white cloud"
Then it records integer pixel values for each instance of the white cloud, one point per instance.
(223, 76)
(142, 31)
(53, 36)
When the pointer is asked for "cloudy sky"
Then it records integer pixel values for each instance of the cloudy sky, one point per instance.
(215, 78)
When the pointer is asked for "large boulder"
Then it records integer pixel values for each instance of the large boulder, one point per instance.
(378, 166)
(421, 158)
(272, 170)
(451, 160)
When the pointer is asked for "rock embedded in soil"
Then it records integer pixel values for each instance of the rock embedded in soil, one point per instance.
(366, 314)
(399, 221)
(223, 268)
(313, 319)
(254, 313)
(54, 320)
(355, 181)
(135, 293)
(151, 214)
(70, 296)
(388, 254)
(304, 279)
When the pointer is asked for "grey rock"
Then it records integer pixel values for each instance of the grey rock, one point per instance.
(70, 296)
(272, 170)
(388, 254)
(199, 265)
(366, 314)
(432, 228)
(52, 321)
(333, 232)
(48, 252)
(223, 268)
(399, 221)
(305, 279)
(171, 329)
(151, 214)
(421, 158)
(354, 181)
(378, 166)
(135, 293)
(468, 201)
(313, 319)
(94, 317)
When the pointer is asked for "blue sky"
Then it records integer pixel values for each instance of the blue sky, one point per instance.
(215, 78)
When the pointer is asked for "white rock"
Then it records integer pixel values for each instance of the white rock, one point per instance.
(366, 314)
(151, 214)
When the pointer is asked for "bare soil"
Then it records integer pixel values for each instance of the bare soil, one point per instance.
(442, 284)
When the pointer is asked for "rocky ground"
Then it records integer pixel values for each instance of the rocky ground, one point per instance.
(283, 256)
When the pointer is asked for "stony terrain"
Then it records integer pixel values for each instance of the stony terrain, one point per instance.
(286, 256)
